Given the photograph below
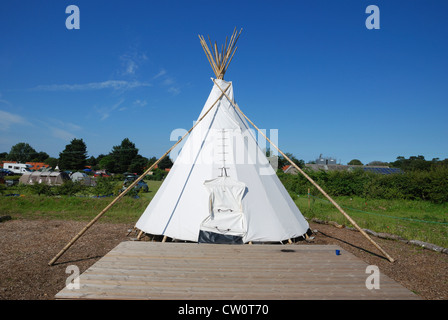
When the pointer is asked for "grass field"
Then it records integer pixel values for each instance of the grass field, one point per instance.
(31, 206)
(412, 220)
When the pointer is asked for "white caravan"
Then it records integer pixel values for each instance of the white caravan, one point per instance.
(19, 168)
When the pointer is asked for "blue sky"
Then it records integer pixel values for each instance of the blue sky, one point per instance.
(310, 69)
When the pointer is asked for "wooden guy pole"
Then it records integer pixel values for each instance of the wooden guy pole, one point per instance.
(311, 180)
(122, 194)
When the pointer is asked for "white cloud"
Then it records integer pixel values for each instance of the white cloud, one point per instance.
(132, 66)
(132, 61)
(8, 119)
(106, 111)
(62, 134)
(53, 126)
(161, 73)
(140, 103)
(2, 101)
(174, 90)
(168, 81)
(68, 125)
(110, 84)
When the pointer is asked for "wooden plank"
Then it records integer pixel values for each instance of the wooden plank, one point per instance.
(150, 270)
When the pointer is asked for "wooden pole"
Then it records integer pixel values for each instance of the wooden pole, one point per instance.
(140, 234)
(122, 194)
(311, 180)
(220, 61)
(209, 56)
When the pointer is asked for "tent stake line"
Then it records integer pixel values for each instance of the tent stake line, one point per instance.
(309, 179)
(121, 195)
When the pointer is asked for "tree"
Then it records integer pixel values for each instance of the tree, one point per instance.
(282, 161)
(165, 163)
(52, 162)
(123, 155)
(138, 164)
(92, 161)
(106, 163)
(74, 156)
(151, 161)
(22, 152)
(97, 165)
(40, 157)
(377, 163)
(355, 162)
(414, 163)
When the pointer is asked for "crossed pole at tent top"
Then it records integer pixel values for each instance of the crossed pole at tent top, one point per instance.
(309, 178)
(122, 194)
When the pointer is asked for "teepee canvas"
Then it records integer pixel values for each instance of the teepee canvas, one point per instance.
(221, 188)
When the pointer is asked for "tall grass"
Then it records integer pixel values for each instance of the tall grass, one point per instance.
(80, 207)
(410, 219)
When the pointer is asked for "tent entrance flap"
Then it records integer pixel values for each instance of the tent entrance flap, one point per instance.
(218, 238)
(226, 222)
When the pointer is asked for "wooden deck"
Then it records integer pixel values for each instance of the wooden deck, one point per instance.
(173, 271)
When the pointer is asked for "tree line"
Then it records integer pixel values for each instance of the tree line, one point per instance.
(122, 158)
(413, 163)
(125, 157)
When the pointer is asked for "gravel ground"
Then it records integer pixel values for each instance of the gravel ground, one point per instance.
(26, 247)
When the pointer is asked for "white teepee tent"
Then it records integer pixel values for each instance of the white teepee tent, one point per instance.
(221, 188)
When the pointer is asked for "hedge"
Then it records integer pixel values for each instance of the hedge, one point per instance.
(429, 185)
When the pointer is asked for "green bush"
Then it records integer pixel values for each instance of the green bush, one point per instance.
(17, 177)
(437, 190)
(346, 183)
(70, 188)
(429, 185)
(104, 186)
(41, 189)
(117, 177)
(158, 175)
